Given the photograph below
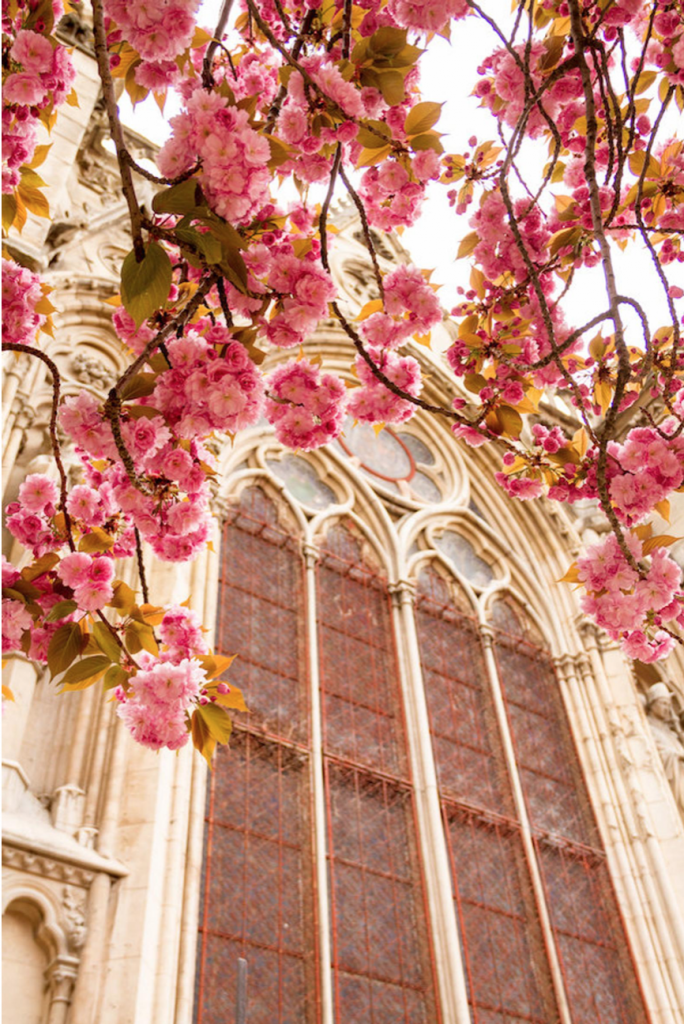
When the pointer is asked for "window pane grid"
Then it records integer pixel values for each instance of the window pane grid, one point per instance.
(598, 974)
(258, 895)
(382, 962)
(501, 936)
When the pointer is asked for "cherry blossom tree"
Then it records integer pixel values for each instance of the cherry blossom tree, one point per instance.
(327, 95)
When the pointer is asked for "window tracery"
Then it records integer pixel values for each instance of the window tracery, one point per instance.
(532, 897)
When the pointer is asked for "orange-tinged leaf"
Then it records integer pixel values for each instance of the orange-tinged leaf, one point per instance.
(603, 394)
(96, 541)
(369, 157)
(152, 614)
(467, 245)
(580, 439)
(571, 575)
(663, 509)
(123, 599)
(374, 306)
(233, 700)
(41, 565)
(662, 540)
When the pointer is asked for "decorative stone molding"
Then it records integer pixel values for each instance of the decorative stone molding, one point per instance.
(403, 592)
(46, 867)
(311, 554)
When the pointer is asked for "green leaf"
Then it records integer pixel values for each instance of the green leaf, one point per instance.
(217, 721)
(181, 198)
(510, 419)
(61, 610)
(66, 644)
(115, 676)
(85, 673)
(140, 637)
(392, 87)
(373, 134)
(106, 641)
(139, 386)
(145, 286)
(387, 41)
(422, 117)
(235, 269)
(124, 598)
(567, 236)
(201, 737)
(427, 141)
(9, 211)
(206, 245)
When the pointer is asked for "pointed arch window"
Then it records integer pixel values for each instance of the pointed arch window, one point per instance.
(257, 897)
(380, 948)
(589, 936)
(314, 831)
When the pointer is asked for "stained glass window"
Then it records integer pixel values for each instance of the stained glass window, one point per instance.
(507, 974)
(399, 462)
(258, 874)
(592, 947)
(380, 949)
(465, 558)
(302, 481)
(507, 863)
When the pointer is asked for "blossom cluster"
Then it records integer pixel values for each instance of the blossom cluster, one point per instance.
(305, 406)
(41, 76)
(618, 599)
(158, 32)
(212, 384)
(21, 293)
(234, 157)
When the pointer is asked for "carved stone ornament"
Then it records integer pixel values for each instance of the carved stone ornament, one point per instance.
(668, 738)
(73, 903)
(46, 867)
(90, 370)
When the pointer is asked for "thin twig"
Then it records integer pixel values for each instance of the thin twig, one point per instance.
(207, 76)
(115, 129)
(13, 346)
(141, 566)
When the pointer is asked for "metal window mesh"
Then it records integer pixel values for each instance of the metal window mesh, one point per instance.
(598, 971)
(257, 897)
(383, 970)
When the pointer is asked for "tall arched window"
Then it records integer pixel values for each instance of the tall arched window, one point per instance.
(316, 833)
(380, 951)
(257, 899)
(589, 936)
